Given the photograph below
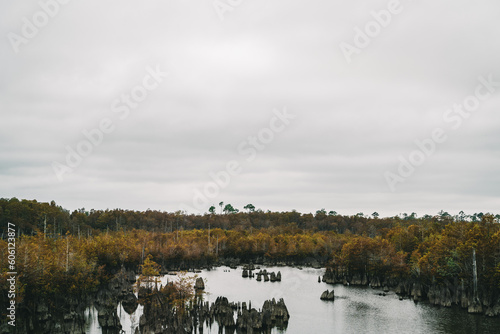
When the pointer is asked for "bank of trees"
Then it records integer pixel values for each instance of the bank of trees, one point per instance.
(68, 263)
(426, 252)
(60, 252)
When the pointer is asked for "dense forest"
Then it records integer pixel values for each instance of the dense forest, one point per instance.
(60, 253)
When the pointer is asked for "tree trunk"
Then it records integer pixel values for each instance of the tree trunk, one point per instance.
(474, 272)
(67, 254)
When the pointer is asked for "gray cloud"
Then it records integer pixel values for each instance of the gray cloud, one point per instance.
(352, 123)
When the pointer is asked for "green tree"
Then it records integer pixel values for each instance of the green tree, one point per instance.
(229, 209)
(249, 207)
(321, 213)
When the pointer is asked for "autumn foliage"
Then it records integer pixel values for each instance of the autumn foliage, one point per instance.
(61, 253)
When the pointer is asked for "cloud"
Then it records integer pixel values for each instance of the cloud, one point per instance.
(225, 79)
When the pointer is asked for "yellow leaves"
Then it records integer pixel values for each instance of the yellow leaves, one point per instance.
(150, 268)
(48, 266)
(372, 255)
(434, 251)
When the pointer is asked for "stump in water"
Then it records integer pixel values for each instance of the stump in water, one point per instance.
(199, 284)
(328, 295)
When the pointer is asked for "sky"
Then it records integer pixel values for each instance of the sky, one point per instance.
(352, 106)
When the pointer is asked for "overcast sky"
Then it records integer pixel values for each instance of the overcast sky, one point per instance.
(346, 117)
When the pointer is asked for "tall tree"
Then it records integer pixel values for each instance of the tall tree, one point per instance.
(229, 209)
(249, 207)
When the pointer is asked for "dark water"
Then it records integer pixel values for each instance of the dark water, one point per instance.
(355, 309)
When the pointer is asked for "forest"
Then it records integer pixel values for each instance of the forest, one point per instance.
(60, 253)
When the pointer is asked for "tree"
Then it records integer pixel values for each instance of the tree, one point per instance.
(149, 270)
(229, 209)
(212, 209)
(221, 204)
(321, 213)
(150, 267)
(461, 216)
(444, 214)
(249, 207)
(375, 215)
(332, 213)
(184, 288)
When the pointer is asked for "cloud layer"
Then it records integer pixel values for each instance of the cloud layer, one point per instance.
(226, 79)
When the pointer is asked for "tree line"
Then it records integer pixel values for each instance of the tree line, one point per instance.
(31, 217)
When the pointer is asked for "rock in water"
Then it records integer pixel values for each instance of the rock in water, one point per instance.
(245, 273)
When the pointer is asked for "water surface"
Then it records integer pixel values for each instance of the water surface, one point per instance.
(355, 309)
